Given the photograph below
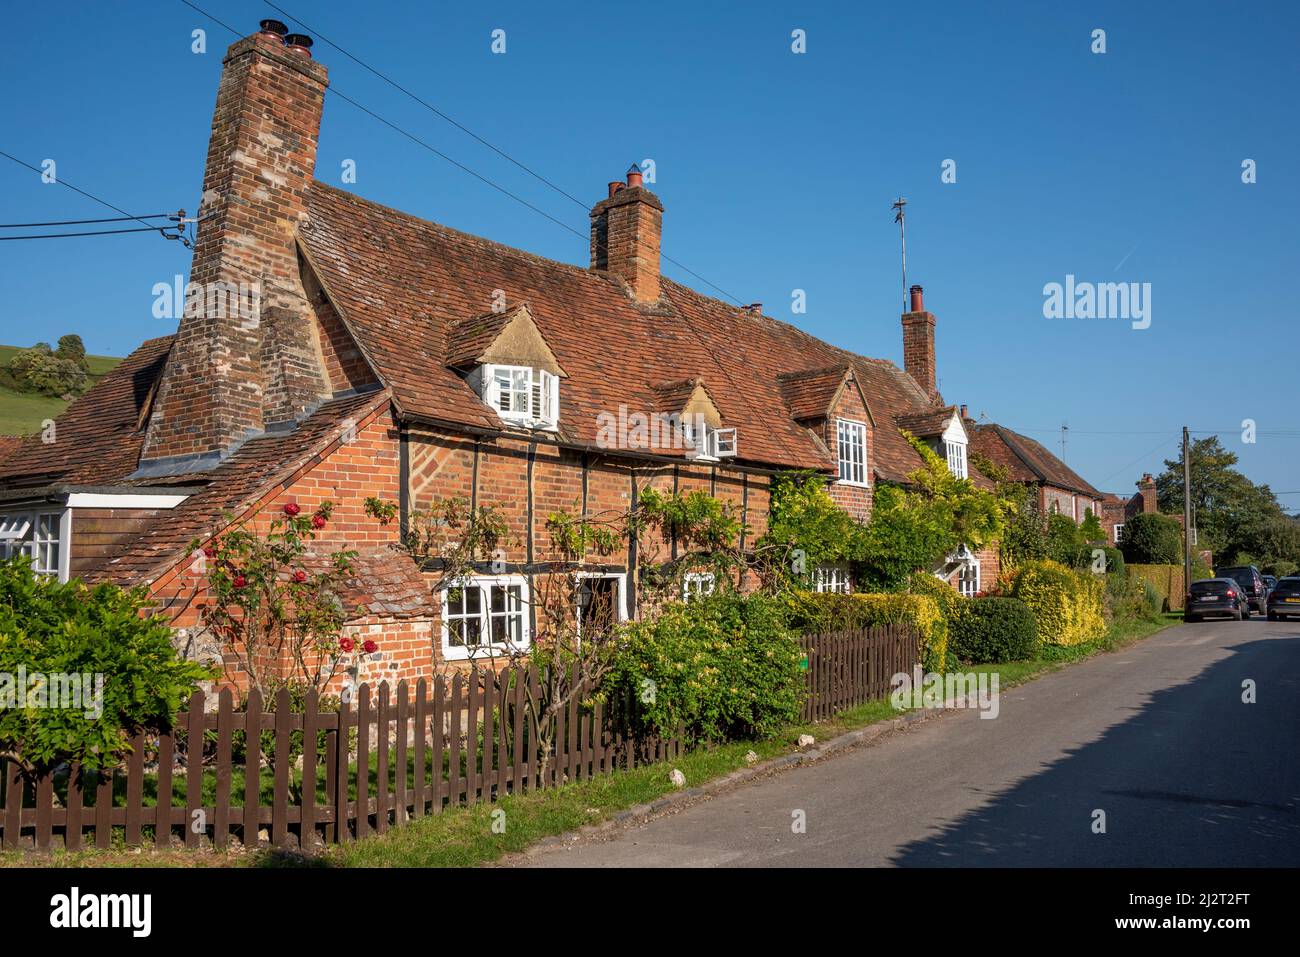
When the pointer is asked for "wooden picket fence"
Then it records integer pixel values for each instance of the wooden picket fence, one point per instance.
(849, 668)
(379, 761)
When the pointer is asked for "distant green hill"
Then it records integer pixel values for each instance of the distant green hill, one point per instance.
(22, 413)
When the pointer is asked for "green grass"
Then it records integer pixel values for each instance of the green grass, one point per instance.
(21, 413)
(464, 836)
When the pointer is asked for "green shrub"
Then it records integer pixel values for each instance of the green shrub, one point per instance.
(949, 600)
(994, 629)
(1152, 539)
(51, 628)
(1114, 560)
(811, 612)
(723, 666)
(1067, 604)
(1130, 598)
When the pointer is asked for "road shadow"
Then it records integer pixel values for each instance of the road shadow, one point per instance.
(1195, 778)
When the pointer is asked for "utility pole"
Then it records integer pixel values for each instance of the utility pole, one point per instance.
(1187, 514)
(900, 218)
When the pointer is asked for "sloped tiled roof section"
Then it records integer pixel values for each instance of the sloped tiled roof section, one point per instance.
(1027, 460)
(97, 440)
(401, 283)
(258, 467)
(810, 393)
(8, 445)
(926, 425)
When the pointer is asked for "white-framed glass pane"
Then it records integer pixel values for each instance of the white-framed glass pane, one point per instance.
(852, 443)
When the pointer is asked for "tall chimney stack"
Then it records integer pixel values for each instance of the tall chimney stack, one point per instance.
(626, 231)
(233, 372)
(918, 344)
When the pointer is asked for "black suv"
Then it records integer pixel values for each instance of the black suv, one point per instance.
(1284, 600)
(1215, 596)
(1248, 577)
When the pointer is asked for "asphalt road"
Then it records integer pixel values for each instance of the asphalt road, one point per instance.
(1156, 736)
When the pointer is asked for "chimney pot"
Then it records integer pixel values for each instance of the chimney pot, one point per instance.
(634, 175)
(299, 43)
(917, 304)
(964, 415)
(274, 27)
(615, 186)
(756, 308)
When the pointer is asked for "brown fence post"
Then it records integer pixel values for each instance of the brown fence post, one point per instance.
(76, 799)
(194, 769)
(252, 767)
(453, 778)
(381, 764)
(437, 756)
(421, 729)
(341, 772)
(399, 764)
(134, 793)
(310, 726)
(162, 814)
(363, 762)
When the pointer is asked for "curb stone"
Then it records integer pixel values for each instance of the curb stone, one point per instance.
(640, 813)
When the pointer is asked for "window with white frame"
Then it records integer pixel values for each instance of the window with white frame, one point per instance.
(968, 581)
(485, 615)
(833, 578)
(698, 584)
(523, 395)
(39, 535)
(956, 452)
(706, 442)
(1118, 530)
(852, 442)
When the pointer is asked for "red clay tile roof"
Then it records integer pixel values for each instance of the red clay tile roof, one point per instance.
(810, 393)
(925, 425)
(400, 283)
(97, 440)
(259, 467)
(8, 445)
(1027, 460)
(383, 581)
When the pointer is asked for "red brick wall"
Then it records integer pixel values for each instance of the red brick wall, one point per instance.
(856, 500)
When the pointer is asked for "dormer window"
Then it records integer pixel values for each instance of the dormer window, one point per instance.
(523, 395)
(708, 443)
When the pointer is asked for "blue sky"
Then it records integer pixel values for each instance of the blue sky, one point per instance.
(777, 171)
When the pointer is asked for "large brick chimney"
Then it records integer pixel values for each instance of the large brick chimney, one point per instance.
(233, 373)
(1147, 489)
(626, 229)
(918, 344)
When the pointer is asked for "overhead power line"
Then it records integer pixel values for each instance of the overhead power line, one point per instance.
(97, 232)
(83, 222)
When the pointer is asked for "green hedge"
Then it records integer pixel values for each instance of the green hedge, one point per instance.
(724, 666)
(1167, 580)
(994, 629)
(812, 612)
(1068, 605)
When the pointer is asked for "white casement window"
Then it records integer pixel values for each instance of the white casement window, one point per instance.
(1118, 531)
(707, 443)
(852, 441)
(529, 397)
(42, 536)
(956, 453)
(484, 616)
(697, 584)
(832, 578)
(968, 582)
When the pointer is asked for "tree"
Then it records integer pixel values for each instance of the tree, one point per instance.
(1152, 538)
(806, 528)
(1232, 514)
(72, 349)
(41, 369)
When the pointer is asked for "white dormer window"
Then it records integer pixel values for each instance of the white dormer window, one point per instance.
(706, 442)
(956, 458)
(522, 395)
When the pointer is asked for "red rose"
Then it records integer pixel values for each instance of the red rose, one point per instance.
(300, 576)
(345, 644)
(370, 647)
(210, 552)
(318, 521)
(292, 509)
(240, 581)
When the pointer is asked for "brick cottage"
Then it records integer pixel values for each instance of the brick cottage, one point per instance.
(401, 360)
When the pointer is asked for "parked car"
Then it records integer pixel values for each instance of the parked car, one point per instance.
(1251, 582)
(1284, 600)
(1216, 596)
(1270, 581)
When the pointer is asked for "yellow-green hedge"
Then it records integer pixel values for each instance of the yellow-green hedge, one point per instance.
(1167, 580)
(1069, 604)
(816, 612)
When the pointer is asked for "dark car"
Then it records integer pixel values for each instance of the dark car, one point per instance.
(1284, 600)
(1251, 582)
(1270, 581)
(1216, 596)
